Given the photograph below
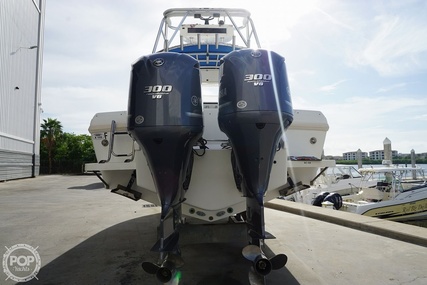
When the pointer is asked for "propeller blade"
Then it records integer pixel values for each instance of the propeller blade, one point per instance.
(278, 261)
(251, 252)
(176, 260)
(255, 278)
(150, 268)
(166, 271)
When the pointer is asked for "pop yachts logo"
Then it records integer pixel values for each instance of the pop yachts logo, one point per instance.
(258, 79)
(21, 262)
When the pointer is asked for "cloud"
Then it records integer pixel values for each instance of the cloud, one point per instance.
(74, 107)
(364, 122)
(422, 117)
(387, 36)
(397, 45)
(391, 87)
(90, 46)
(335, 20)
(331, 87)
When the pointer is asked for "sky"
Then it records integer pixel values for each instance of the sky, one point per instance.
(363, 64)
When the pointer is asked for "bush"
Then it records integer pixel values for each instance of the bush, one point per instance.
(70, 154)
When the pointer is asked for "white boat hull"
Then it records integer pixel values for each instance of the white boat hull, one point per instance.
(411, 205)
(212, 194)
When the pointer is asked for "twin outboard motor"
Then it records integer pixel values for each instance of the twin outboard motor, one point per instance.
(165, 118)
(254, 110)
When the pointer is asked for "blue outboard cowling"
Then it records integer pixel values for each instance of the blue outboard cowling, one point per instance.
(165, 118)
(255, 108)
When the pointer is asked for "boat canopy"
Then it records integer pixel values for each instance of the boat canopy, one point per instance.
(388, 169)
(206, 34)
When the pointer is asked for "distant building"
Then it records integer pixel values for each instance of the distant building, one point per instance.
(417, 155)
(332, 157)
(379, 154)
(352, 155)
(21, 46)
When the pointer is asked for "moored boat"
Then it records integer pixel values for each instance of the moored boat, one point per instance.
(398, 194)
(340, 179)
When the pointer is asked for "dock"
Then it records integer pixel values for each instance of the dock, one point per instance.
(86, 235)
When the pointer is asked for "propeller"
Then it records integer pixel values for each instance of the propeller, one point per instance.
(166, 270)
(261, 264)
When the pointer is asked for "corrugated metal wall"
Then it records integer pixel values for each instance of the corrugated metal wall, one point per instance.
(21, 47)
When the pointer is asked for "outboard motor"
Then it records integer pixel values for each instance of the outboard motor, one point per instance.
(165, 118)
(254, 110)
(319, 199)
(333, 198)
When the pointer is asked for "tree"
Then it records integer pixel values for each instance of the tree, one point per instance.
(50, 133)
(62, 152)
(72, 152)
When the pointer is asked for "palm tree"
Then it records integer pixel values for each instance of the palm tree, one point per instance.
(51, 131)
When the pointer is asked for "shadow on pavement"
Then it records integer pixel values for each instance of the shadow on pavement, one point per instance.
(92, 186)
(115, 255)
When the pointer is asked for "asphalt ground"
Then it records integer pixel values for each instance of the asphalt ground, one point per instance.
(86, 235)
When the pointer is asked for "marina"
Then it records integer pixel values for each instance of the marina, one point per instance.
(390, 192)
(215, 173)
(216, 162)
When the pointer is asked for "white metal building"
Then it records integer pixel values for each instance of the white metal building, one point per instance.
(21, 47)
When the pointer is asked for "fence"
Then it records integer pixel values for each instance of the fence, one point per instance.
(62, 167)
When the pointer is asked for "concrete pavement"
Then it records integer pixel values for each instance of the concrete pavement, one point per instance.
(399, 231)
(86, 235)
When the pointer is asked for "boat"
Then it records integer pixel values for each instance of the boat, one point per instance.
(340, 179)
(398, 195)
(211, 157)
